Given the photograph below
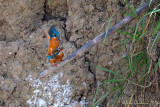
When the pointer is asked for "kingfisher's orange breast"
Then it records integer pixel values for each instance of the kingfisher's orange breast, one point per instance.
(58, 58)
(53, 45)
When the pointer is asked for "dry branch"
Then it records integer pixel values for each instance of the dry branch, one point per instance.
(95, 41)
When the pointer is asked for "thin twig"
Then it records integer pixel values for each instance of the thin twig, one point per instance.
(94, 42)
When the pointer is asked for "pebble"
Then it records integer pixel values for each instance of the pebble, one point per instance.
(10, 53)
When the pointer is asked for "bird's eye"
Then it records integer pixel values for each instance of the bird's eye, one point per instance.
(53, 34)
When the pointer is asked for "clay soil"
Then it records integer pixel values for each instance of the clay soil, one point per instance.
(23, 52)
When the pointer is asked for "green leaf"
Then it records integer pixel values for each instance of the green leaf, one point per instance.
(101, 99)
(156, 29)
(114, 89)
(94, 100)
(28, 3)
(142, 3)
(129, 27)
(155, 67)
(129, 14)
(121, 42)
(121, 90)
(143, 24)
(134, 14)
(124, 32)
(104, 69)
(48, 2)
(114, 80)
(107, 30)
(115, 97)
(134, 11)
(154, 41)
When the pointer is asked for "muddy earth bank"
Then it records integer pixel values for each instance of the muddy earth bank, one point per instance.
(23, 51)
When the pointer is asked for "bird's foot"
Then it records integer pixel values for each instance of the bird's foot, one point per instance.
(55, 65)
(61, 49)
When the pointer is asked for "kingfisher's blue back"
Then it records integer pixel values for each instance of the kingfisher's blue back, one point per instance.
(52, 31)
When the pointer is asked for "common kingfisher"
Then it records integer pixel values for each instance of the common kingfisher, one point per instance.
(54, 40)
(56, 57)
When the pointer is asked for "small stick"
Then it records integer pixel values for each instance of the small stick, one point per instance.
(95, 41)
